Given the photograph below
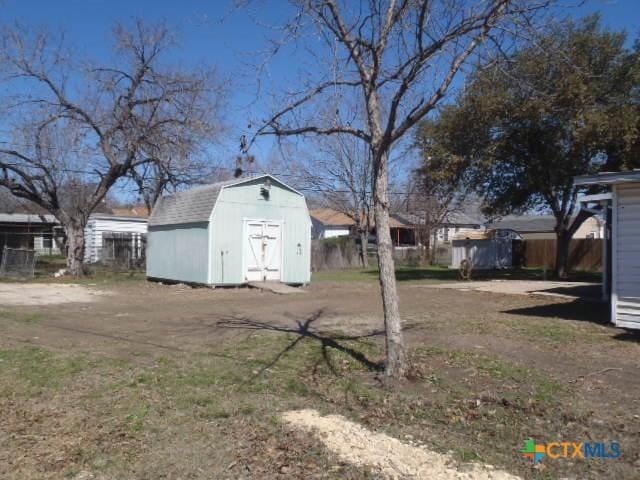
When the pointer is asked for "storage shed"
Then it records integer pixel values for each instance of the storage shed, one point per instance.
(624, 243)
(490, 249)
(231, 233)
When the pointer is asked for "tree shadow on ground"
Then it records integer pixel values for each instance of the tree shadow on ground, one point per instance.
(304, 330)
(580, 309)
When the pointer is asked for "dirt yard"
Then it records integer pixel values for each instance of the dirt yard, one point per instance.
(153, 381)
(45, 294)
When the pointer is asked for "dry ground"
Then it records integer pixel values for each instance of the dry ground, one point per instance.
(153, 381)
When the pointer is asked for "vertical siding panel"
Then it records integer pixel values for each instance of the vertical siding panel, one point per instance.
(179, 253)
(626, 258)
(239, 202)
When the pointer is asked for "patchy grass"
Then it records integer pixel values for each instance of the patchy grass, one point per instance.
(232, 395)
(430, 274)
(21, 317)
(550, 331)
(516, 380)
(35, 368)
(46, 265)
(122, 410)
(435, 274)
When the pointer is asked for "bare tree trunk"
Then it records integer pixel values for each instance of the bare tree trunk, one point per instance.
(396, 365)
(562, 254)
(75, 244)
(563, 242)
(364, 244)
(424, 235)
(434, 246)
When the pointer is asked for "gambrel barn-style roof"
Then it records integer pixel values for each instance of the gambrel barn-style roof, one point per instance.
(195, 205)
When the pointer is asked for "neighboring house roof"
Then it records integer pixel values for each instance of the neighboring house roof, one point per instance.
(332, 218)
(110, 216)
(462, 218)
(50, 219)
(137, 212)
(398, 223)
(26, 218)
(608, 178)
(529, 223)
(475, 235)
(195, 205)
(452, 218)
(525, 223)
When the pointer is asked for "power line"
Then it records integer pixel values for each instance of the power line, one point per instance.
(229, 169)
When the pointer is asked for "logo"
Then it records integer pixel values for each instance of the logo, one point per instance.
(576, 450)
(534, 451)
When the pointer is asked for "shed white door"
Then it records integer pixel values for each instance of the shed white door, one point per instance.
(263, 244)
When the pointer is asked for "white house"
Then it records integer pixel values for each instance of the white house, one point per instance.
(40, 232)
(328, 223)
(106, 234)
(624, 267)
(122, 229)
(454, 223)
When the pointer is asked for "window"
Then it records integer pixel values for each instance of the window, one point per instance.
(47, 242)
(446, 234)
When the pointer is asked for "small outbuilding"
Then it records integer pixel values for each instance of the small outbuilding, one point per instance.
(231, 233)
(622, 207)
(489, 249)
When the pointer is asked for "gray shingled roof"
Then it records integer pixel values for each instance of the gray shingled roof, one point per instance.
(525, 223)
(452, 218)
(26, 218)
(191, 206)
(195, 205)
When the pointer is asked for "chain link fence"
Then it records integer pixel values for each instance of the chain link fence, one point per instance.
(18, 263)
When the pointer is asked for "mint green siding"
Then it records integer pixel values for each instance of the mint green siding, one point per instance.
(178, 253)
(200, 235)
(239, 202)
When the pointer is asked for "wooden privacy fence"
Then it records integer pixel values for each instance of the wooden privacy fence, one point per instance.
(584, 254)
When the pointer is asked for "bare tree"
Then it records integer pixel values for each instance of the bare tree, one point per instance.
(77, 124)
(399, 58)
(341, 169)
(436, 190)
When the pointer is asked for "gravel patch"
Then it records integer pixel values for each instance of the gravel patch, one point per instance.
(45, 294)
(522, 287)
(387, 455)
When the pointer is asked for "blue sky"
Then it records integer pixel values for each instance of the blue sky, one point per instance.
(212, 32)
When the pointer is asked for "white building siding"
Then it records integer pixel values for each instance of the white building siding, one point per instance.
(97, 226)
(39, 246)
(329, 232)
(626, 264)
(446, 234)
